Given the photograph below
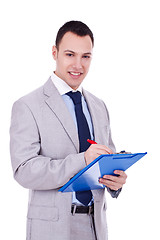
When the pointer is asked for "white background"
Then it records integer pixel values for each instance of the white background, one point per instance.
(125, 73)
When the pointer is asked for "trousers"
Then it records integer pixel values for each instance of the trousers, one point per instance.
(82, 227)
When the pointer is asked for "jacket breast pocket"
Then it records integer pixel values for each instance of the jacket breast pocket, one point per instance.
(43, 213)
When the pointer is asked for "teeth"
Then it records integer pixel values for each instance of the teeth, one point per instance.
(75, 74)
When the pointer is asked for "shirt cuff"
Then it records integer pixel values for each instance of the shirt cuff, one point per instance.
(114, 193)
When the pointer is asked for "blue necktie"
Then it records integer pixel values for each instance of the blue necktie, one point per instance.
(83, 134)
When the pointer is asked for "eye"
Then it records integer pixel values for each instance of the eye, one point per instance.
(69, 54)
(86, 56)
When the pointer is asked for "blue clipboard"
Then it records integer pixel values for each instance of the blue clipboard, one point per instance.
(87, 178)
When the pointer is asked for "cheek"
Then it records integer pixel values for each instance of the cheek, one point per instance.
(61, 65)
(86, 62)
(65, 64)
(87, 66)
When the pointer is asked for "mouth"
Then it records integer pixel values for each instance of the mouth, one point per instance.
(75, 73)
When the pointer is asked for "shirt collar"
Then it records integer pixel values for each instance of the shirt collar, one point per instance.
(62, 86)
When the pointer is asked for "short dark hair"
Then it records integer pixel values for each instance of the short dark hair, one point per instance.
(76, 27)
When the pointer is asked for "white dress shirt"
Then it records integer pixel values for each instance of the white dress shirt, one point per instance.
(63, 88)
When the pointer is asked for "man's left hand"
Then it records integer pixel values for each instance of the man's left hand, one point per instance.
(114, 182)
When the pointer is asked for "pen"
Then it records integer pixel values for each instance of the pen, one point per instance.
(91, 141)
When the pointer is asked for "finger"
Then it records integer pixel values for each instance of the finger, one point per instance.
(103, 149)
(110, 184)
(110, 177)
(117, 179)
(113, 179)
(121, 173)
(101, 152)
(97, 151)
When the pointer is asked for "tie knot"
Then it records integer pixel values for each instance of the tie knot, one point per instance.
(75, 96)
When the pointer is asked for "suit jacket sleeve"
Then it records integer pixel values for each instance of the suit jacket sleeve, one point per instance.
(110, 141)
(31, 169)
(111, 145)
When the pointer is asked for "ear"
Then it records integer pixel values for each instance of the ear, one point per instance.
(54, 52)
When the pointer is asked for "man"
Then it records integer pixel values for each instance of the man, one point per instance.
(49, 131)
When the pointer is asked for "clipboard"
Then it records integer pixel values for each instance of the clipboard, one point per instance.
(87, 178)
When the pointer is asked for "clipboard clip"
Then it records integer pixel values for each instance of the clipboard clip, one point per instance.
(124, 152)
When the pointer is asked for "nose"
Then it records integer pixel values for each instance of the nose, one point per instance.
(77, 64)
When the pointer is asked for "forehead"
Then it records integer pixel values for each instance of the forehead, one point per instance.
(73, 42)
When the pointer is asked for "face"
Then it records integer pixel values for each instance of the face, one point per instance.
(73, 58)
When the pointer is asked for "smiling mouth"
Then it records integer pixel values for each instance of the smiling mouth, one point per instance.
(75, 73)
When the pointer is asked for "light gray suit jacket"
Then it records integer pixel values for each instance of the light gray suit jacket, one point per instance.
(45, 155)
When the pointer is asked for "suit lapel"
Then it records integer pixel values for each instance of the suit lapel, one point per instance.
(57, 105)
(93, 109)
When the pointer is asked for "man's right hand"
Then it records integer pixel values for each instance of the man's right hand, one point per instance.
(94, 151)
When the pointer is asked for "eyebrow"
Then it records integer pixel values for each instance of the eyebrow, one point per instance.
(87, 53)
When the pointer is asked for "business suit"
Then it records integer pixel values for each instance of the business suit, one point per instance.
(45, 155)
